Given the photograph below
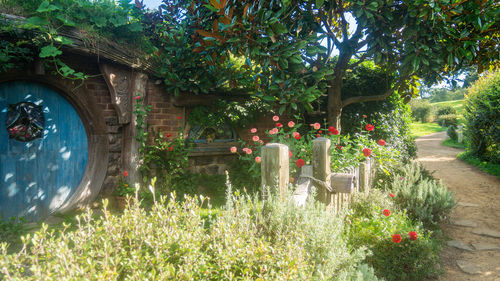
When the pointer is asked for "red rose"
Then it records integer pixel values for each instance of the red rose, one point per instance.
(179, 117)
(290, 154)
(170, 148)
(396, 238)
(279, 125)
(381, 142)
(169, 135)
(137, 97)
(339, 147)
(320, 131)
(386, 212)
(413, 235)
(369, 127)
(125, 173)
(392, 195)
(335, 132)
(367, 152)
(300, 163)
(296, 135)
(318, 135)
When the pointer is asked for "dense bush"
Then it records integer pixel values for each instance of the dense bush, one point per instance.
(416, 191)
(368, 226)
(482, 118)
(421, 110)
(452, 133)
(447, 120)
(445, 110)
(247, 240)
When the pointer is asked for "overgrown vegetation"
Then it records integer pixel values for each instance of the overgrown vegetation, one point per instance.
(482, 118)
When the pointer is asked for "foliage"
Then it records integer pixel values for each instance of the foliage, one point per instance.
(453, 143)
(11, 229)
(41, 36)
(452, 133)
(421, 110)
(488, 167)
(286, 65)
(482, 118)
(247, 240)
(368, 226)
(124, 188)
(445, 110)
(424, 199)
(447, 120)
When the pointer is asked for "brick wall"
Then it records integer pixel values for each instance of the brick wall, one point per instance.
(164, 115)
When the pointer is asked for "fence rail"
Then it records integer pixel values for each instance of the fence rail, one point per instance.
(333, 189)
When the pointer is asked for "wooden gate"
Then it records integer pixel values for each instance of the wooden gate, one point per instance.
(43, 150)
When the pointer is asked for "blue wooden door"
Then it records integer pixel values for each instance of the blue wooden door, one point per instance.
(39, 175)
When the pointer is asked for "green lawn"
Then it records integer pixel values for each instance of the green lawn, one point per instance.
(452, 143)
(490, 168)
(421, 129)
(457, 104)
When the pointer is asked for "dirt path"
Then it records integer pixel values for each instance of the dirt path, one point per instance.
(478, 195)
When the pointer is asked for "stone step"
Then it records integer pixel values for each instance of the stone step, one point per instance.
(466, 204)
(459, 245)
(468, 267)
(487, 232)
(486, 247)
(466, 223)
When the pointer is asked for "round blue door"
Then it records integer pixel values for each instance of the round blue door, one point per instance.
(43, 150)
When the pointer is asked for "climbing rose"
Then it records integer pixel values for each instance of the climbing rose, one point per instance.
(336, 132)
(396, 238)
(233, 149)
(170, 148)
(257, 159)
(316, 126)
(289, 154)
(381, 142)
(392, 195)
(296, 135)
(276, 118)
(271, 132)
(275, 130)
(248, 151)
(125, 173)
(369, 127)
(367, 152)
(386, 212)
(255, 138)
(179, 117)
(300, 163)
(137, 97)
(291, 124)
(413, 235)
(279, 125)
(333, 130)
(253, 130)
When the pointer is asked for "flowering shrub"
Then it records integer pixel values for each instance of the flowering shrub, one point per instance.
(401, 248)
(247, 240)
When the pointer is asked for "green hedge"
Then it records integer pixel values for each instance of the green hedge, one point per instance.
(482, 118)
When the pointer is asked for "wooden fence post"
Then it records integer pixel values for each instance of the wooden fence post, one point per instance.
(364, 175)
(274, 169)
(321, 167)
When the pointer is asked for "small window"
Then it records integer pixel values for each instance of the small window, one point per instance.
(25, 121)
(205, 134)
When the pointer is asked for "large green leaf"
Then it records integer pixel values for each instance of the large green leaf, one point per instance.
(46, 7)
(49, 51)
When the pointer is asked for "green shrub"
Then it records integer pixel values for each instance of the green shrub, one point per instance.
(421, 110)
(368, 226)
(482, 118)
(247, 240)
(446, 110)
(447, 120)
(452, 133)
(416, 191)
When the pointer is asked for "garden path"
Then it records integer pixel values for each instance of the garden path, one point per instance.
(474, 250)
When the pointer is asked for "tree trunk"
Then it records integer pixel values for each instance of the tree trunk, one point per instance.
(335, 101)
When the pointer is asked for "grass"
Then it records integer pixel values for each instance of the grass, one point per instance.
(422, 129)
(457, 104)
(490, 168)
(453, 143)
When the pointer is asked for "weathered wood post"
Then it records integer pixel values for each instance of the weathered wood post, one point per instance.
(321, 167)
(364, 175)
(274, 169)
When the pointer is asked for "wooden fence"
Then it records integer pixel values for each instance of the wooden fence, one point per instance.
(333, 189)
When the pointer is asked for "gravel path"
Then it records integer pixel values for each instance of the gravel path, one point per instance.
(473, 252)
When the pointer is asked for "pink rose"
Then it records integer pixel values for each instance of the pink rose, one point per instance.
(253, 130)
(258, 159)
(291, 124)
(255, 138)
(233, 149)
(276, 118)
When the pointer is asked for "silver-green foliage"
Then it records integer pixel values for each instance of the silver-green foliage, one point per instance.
(424, 198)
(247, 240)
